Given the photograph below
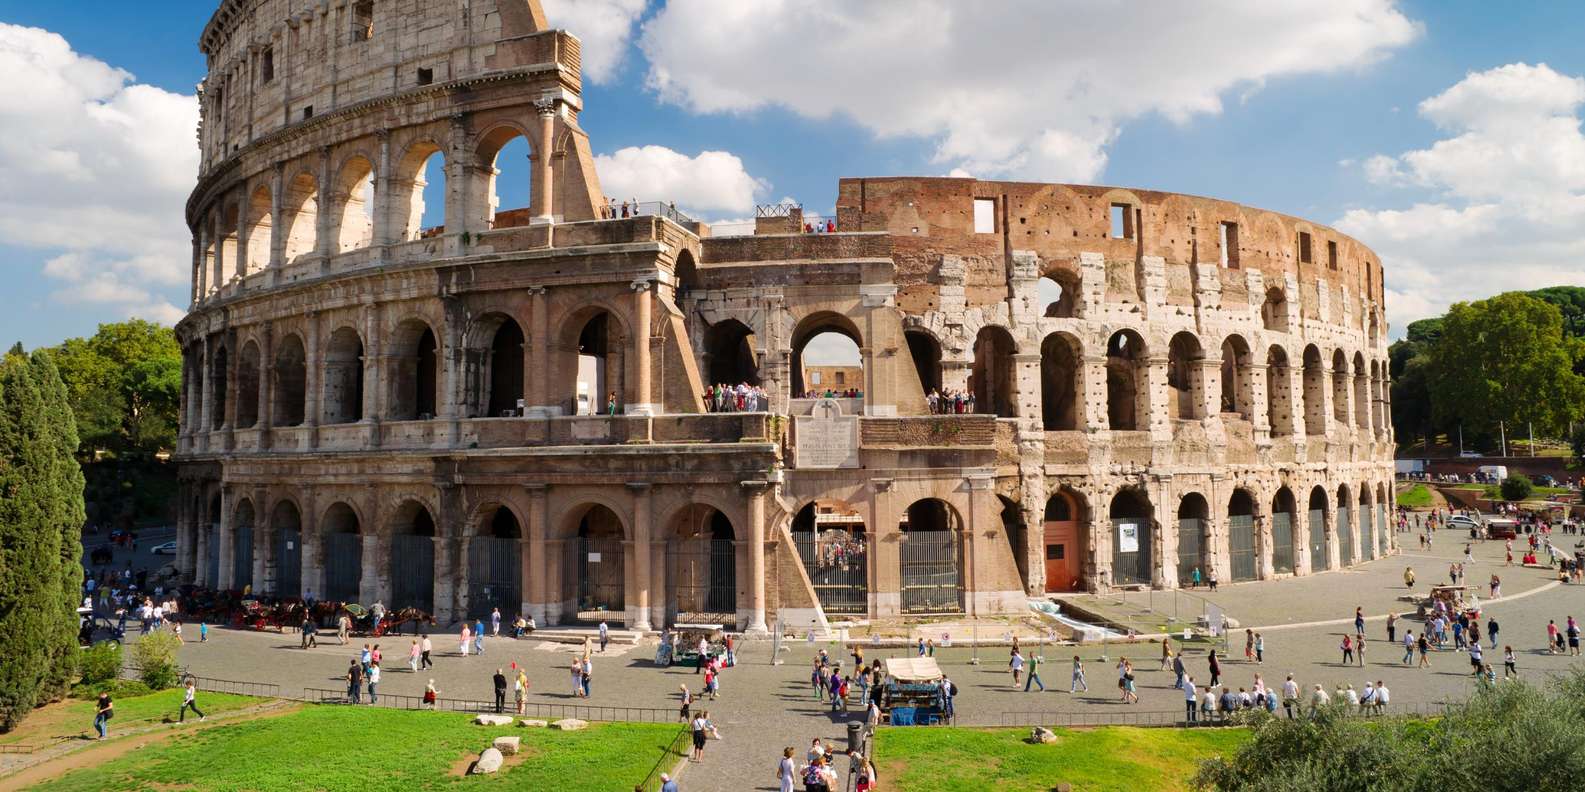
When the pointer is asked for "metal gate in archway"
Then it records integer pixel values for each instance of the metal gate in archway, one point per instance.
(1241, 545)
(1191, 548)
(599, 565)
(1282, 541)
(703, 577)
(289, 563)
(242, 558)
(212, 556)
(343, 566)
(836, 561)
(1319, 561)
(932, 578)
(412, 572)
(1131, 543)
(1345, 537)
(495, 576)
(1385, 528)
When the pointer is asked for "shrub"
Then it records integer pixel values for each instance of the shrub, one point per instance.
(155, 656)
(1516, 488)
(101, 663)
(118, 688)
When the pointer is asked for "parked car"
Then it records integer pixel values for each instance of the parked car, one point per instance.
(168, 548)
(1463, 521)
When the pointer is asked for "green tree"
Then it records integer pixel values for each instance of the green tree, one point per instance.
(155, 656)
(64, 513)
(1516, 488)
(1506, 359)
(1570, 301)
(124, 384)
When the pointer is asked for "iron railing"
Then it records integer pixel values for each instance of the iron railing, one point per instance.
(236, 687)
(616, 210)
(673, 753)
(1178, 718)
(531, 709)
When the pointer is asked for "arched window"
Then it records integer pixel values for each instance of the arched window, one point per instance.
(354, 202)
(1241, 534)
(494, 366)
(1059, 382)
(1185, 378)
(300, 214)
(1314, 392)
(421, 177)
(729, 354)
(343, 398)
(501, 184)
(991, 380)
(248, 386)
(415, 372)
(1279, 393)
(827, 357)
(291, 382)
(1237, 395)
(599, 372)
(1340, 381)
(1127, 401)
(1345, 526)
(259, 221)
(219, 368)
(1361, 393)
(1057, 294)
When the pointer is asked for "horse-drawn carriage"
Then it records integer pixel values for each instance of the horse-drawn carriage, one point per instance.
(1449, 601)
(680, 646)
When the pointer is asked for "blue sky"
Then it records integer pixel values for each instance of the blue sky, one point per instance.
(1347, 143)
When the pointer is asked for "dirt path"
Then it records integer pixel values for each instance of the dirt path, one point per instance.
(70, 755)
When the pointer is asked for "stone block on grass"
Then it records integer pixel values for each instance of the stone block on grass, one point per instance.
(533, 723)
(493, 720)
(571, 724)
(489, 762)
(508, 746)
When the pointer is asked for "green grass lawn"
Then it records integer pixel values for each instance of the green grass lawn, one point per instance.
(76, 718)
(1121, 758)
(347, 748)
(1415, 497)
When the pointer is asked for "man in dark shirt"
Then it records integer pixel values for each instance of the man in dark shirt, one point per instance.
(1228, 702)
(500, 691)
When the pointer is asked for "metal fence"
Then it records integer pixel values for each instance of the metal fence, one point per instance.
(531, 709)
(1177, 718)
(236, 687)
(617, 209)
(669, 757)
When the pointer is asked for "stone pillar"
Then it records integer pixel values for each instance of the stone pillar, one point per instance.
(384, 200)
(1207, 392)
(266, 383)
(660, 604)
(638, 614)
(371, 584)
(885, 585)
(556, 559)
(184, 530)
(244, 204)
(207, 406)
(534, 553)
(228, 419)
(373, 376)
(217, 236)
(1334, 553)
(1026, 388)
(543, 182)
(1375, 536)
(451, 357)
(981, 507)
(314, 385)
(451, 572)
(1098, 566)
(1090, 391)
(1265, 564)
(1151, 404)
(324, 246)
(263, 549)
(228, 539)
(201, 554)
(277, 222)
(1164, 525)
(643, 398)
(756, 491)
(1260, 405)
(313, 562)
(538, 348)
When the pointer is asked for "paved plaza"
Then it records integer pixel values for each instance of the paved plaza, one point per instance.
(765, 707)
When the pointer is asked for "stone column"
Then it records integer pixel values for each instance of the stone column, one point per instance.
(371, 584)
(643, 403)
(313, 562)
(384, 204)
(643, 503)
(263, 549)
(452, 358)
(534, 553)
(981, 507)
(542, 371)
(184, 530)
(660, 604)
(1334, 553)
(373, 378)
(451, 573)
(266, 383)
(1090, 390)
(1265, 564)
(228, 539)
(1152, 403)
(201, 556)
(556, 559)
(1260, 405)
(324, 246)
(233, 364)
(315, 363)
(1208, 396)
(885, 558)
(1164, 525)
(244, 204)
(1026, 388)
(1098, 567)
(543, 182)
(207, 405)
(217, 235)
(756, 491)
(277, 222)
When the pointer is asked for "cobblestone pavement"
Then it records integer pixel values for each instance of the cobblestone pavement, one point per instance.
(766, 707)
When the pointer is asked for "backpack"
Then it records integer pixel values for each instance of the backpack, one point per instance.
(954, 688)
(812, 776)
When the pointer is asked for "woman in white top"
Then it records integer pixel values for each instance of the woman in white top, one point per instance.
(786, 770)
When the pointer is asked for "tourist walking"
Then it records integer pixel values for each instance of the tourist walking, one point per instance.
(1359, 621)
(1078, 677)
(687, 704)
(104, 710)
(343, 626)
(425, 646)
(1491, 630)
(1216, 669)
(1508, 669)
(1425, 647)
(520, 692)
(1408, 646)
(1348, 650)
(412, 657)
(1573, 637)
(310, 633)
(465, 640)
(500, 690)
(700, 726)
(189, 702)
(1034, 674)
(1016, 663)
(1190, 697)
(431, 695)
(605, 636)
(588, 675)
(785, 770)
(495, 622)
(355, 682)
(1359, 650)
(577, 678)
(1249, 645)
(478, 637)
(1392, 628)
(1260, 649)
(374, 679)
(1290, 696)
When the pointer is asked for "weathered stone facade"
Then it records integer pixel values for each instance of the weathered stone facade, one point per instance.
(506, 411)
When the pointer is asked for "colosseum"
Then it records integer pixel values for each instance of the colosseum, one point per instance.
(1049, 387)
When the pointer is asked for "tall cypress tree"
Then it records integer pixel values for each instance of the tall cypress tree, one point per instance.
(65, 514)
(30, 554)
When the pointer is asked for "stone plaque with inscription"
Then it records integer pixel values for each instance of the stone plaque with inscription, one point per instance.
(826, 438)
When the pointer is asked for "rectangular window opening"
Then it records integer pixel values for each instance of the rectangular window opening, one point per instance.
(1056, 552)
(1229, 237)
(267, 65)
(1331, 254)
(308, 112)
(1122, 221)
(426, 76)
(363, 20)
(984, 215)
(1304, 247)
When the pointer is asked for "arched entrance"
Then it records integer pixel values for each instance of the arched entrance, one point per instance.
(831, 544)
(220, 371)
(242, 546)
(1185, 377)
(1059, 367)
(991, 378)
(1194, 523)
(344, 377)
(291, 382)
(929, 552)
(1345, 527)
(701, 566)
(286, 527)
(1127, 405)
(1320, 561)
(598, 377)
(1236, 383)
(343, 553)
(495, 564)
(926, 354)
(599, 565)
(1017, 539)
(415, 372)
(1282, 521)
(827, 357)
(1241, 534)
(413, 558)
(1065, 548)
(503, 370)
(248, 386)
(1132, 538)
(729, 354)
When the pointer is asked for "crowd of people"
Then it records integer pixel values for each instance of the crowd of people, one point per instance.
(950, 402)
(833, 393)
(741, 397)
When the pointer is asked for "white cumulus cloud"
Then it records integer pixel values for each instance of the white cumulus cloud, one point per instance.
(605, 27)
(1504, 194)
(710, 182)
(1030, 88)
(96, 169)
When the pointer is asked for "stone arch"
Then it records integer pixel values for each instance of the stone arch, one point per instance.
(422, 162)
(1284, 519)
(729, 354)
(353, 200)
(1016, 531)
(495, 562)
(925, 351)
(494, 376)
(226, 242)
(1133, 536)
(1241, 513)
(597, 583)
(300, 216)
(291, 381)
(1194, 533)
(341, 544)
(1361, 393)
(243, 525)
(1185, 377)
(1237, 381)
(1061, 355)
(1367, 526)
(248, 386)
(1372, 392)
(1314, 392)
(1274, 311)
(833, 545)
(210, 541)
(1279, 392)
(284, 548)
(411, 563)
(219, 379)
(414, 371)
(1340, 387)
(343, 374)
(809, 329)
(994, 374)
(495, 166)
(1320, 558)
(1127, 391)
(1067, 543)
(686, 269)
(1058, 294)
(930, 552)
(701, 565)
(596, 340)
(259, 220)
